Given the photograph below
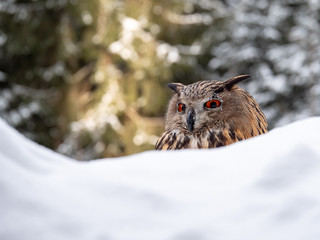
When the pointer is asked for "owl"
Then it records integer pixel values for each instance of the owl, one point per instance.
(210, 114)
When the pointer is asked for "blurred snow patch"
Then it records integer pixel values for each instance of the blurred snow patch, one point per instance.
(130, 24)
(166, 51)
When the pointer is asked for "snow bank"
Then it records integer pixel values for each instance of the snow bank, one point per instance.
(262, 188)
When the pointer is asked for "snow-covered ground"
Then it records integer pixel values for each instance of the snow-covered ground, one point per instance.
(263, 188)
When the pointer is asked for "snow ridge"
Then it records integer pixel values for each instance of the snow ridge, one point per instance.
(262, 188)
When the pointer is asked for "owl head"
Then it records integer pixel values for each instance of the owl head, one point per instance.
(213, 105)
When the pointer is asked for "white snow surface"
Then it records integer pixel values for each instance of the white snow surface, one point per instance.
(267, 187)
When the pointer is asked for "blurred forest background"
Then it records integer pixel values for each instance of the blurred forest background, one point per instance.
(88, 78)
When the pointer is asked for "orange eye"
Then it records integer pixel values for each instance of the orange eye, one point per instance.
(181, 107)
(212, 104)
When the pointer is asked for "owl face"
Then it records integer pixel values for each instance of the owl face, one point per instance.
(205, 105)
(193, 113)
(210, 114)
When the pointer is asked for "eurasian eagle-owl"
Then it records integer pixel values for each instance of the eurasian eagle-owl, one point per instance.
(209, 114)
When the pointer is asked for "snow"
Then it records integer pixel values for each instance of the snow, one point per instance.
(262, 188)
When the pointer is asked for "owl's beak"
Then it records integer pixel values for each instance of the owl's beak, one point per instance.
(191, 119)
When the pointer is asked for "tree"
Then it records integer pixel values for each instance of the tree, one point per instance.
(277, 42)
(87, 78)
(92, 75)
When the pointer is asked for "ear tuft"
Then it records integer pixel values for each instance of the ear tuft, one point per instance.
(228, 84)
(176, 87)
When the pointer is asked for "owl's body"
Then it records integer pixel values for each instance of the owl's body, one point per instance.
(209, 114)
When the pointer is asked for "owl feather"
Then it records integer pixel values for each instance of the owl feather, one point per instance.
(210, 114)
